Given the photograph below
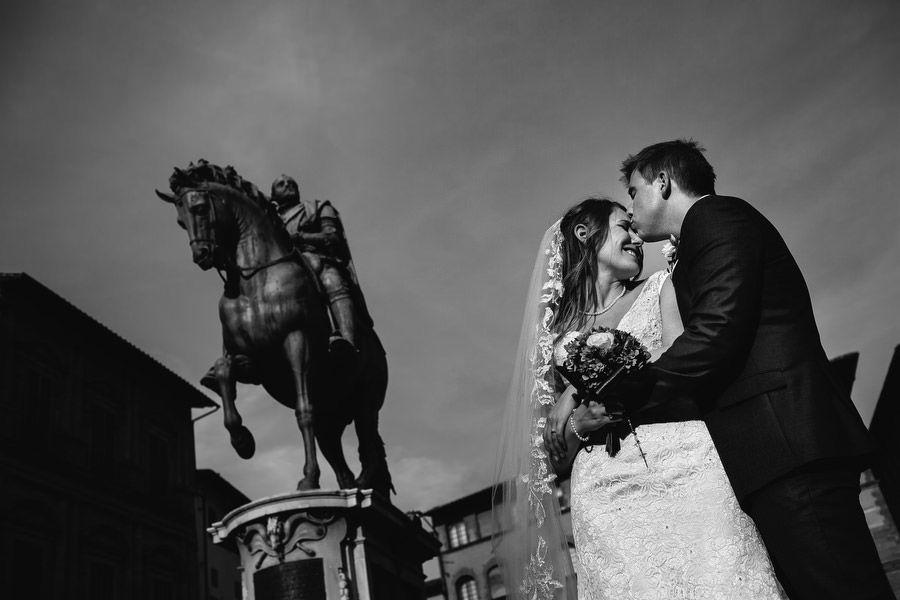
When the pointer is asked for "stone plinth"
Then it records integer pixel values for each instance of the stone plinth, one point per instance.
(328, 544)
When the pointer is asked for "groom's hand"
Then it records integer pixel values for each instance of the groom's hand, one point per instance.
(630, 392)
(593, 416)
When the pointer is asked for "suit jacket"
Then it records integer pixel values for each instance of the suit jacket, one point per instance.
(750, 357)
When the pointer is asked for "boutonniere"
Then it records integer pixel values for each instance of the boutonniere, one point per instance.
(670, 251)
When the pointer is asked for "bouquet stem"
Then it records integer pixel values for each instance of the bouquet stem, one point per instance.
(612, 445)
(638, 442)
(612, 377)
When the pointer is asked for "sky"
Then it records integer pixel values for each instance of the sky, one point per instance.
(449, 135)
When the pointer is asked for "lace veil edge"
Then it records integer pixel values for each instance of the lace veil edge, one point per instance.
(529, 540)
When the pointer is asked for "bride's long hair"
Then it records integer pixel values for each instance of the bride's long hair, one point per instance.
(579, 260)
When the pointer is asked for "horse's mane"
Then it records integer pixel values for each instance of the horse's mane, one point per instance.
(203, 172)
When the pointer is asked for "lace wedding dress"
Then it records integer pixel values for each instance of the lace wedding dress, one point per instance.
(674, 530)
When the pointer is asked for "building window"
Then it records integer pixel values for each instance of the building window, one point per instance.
(158, 448)
(572, 580)
(102, 580)
(29, 566)
(486, 523)
(104, 426)
(162, 589)
(459, 535)
(563, 498)
(495, 583)
(466, 589)
(40, 388)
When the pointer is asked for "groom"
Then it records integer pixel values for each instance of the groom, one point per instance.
(791, 442)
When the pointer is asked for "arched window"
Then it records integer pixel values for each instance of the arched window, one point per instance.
(466, 589)
(495, 583)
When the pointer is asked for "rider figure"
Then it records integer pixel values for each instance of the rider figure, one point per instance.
(316, 231)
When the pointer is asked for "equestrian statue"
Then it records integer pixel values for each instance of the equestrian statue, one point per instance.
(293, 316)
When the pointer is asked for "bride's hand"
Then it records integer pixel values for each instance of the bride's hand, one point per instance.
(555, 429)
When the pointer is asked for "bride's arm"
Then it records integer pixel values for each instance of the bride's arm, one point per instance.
(562, 463)
(586, 419)
(556, 440)
(560, 441)
(670, 317)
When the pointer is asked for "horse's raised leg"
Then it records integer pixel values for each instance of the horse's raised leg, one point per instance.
(241, 439)
(296, 348)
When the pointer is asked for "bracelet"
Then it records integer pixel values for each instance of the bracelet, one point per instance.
(575, 431)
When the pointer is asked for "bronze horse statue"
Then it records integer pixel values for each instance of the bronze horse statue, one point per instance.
(275, 327)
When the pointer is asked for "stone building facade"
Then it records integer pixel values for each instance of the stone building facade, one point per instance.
(467, 569)
(96, 458)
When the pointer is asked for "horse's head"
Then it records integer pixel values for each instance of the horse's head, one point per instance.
(206, 197)
(200, 213)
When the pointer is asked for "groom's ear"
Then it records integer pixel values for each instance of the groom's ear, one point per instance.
(665, 184)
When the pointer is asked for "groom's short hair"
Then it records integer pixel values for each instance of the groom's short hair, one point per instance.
(682, 159)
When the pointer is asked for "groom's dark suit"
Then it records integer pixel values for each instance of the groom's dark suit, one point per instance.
(750, 359)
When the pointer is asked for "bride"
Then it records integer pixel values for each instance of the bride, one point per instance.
(670, 528)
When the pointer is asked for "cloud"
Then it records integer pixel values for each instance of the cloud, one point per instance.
(423, 483)
(449, 135)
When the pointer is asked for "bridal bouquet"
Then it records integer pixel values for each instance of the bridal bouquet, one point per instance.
(594, 359)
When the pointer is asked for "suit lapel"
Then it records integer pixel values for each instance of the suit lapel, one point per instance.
(682, 293)
(681, 273)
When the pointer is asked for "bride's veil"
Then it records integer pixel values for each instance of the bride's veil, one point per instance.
(529, 541)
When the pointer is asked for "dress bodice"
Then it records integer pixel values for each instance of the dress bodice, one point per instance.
(643, 320)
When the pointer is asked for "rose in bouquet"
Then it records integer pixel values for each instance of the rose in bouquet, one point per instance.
(594, 359)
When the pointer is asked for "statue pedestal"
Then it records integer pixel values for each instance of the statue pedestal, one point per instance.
(328, 545)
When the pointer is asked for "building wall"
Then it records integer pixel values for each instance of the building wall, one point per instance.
(883, 527)
(473, 560)
(471, 557)
(96, 459)
(220, 564)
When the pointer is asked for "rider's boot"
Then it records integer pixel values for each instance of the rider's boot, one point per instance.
(338, 344)
(342, 342)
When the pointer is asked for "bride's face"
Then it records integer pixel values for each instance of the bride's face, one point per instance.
(621, 253)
